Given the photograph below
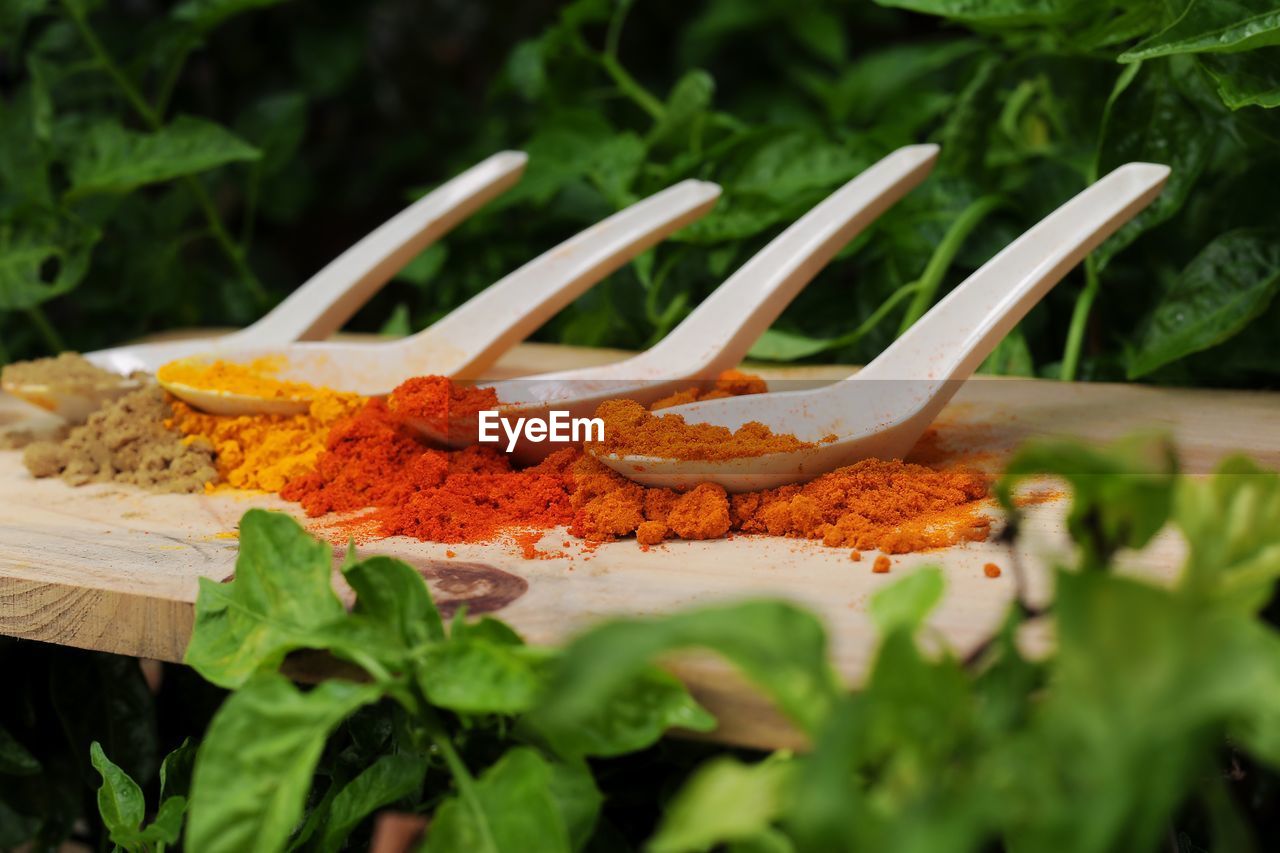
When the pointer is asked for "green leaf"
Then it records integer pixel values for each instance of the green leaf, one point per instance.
(208, 14)
(119, 799)
(478, 677)
(41, 260)
(255, 765)
(781, 345)
(175, 771)
(780, 648)
(902, 605)
(167, 826)
(275, 125)
(281, 599)
(1122, 494)
(390, 778)
(687, 104)
(1011, 357)
(1229, 284)
(994, 13)
(1149, 119)
(1213, 26)
(632, 717)
(1246, 79)
(724, 801)
(393, 599)
(110, 159)
(425, 266)
(15, 760)
(577, 798)
(795, 163)
(1229, 522)
(514, 811)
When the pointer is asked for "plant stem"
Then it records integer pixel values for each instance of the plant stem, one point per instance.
(1079, 321)
(51, 337)
(153, 121)
(631, 87)
(461, 776)
(931, 279)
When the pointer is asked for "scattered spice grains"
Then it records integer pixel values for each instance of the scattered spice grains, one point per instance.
(126, 441)
(257, 378)
(881, 565)
(991, 570)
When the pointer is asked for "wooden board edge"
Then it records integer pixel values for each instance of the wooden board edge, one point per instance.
(88, 618)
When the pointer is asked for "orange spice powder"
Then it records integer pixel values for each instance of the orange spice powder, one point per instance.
(374, 459)
(630, 429)
(730, 383)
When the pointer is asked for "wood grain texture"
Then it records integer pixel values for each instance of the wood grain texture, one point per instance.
(115, 569)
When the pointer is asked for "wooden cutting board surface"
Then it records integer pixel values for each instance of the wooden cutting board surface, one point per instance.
(112, 568)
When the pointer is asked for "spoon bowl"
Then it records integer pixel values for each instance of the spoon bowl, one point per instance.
(475, 334)
(882, 410)
(317, 308)
(718, 333)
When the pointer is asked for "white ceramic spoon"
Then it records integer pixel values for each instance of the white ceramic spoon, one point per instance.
(882, 410)
(321, 305)
(718, 333)
(475, 334)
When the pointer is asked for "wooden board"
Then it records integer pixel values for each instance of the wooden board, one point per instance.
(112, 568)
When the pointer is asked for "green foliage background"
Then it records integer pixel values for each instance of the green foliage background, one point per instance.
(187, 164)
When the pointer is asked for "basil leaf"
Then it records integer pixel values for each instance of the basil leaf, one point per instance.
(514, 811)
(1213, 25)
(15, 760)
(119, 799)
(27, 251)
(725, 800)
(1224, 288)
(110, 159)
(903, 605)
(994, 13)
(1246, 79)
(631, 717)
(390, 778)
(256, 762)
(393, 597)
(477, 677)
(166, 828)
(207, 14)
(1149, 119)
(281, 599)
(780, 648)
(1122, 494)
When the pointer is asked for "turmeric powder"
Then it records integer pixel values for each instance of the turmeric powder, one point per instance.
(257, 378)
(265, 451)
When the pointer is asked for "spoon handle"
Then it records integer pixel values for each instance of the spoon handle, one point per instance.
(718, 333)
(952, 339)
(328, 299)
(506, 312)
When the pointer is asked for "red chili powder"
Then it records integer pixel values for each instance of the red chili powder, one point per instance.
(373, 459)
